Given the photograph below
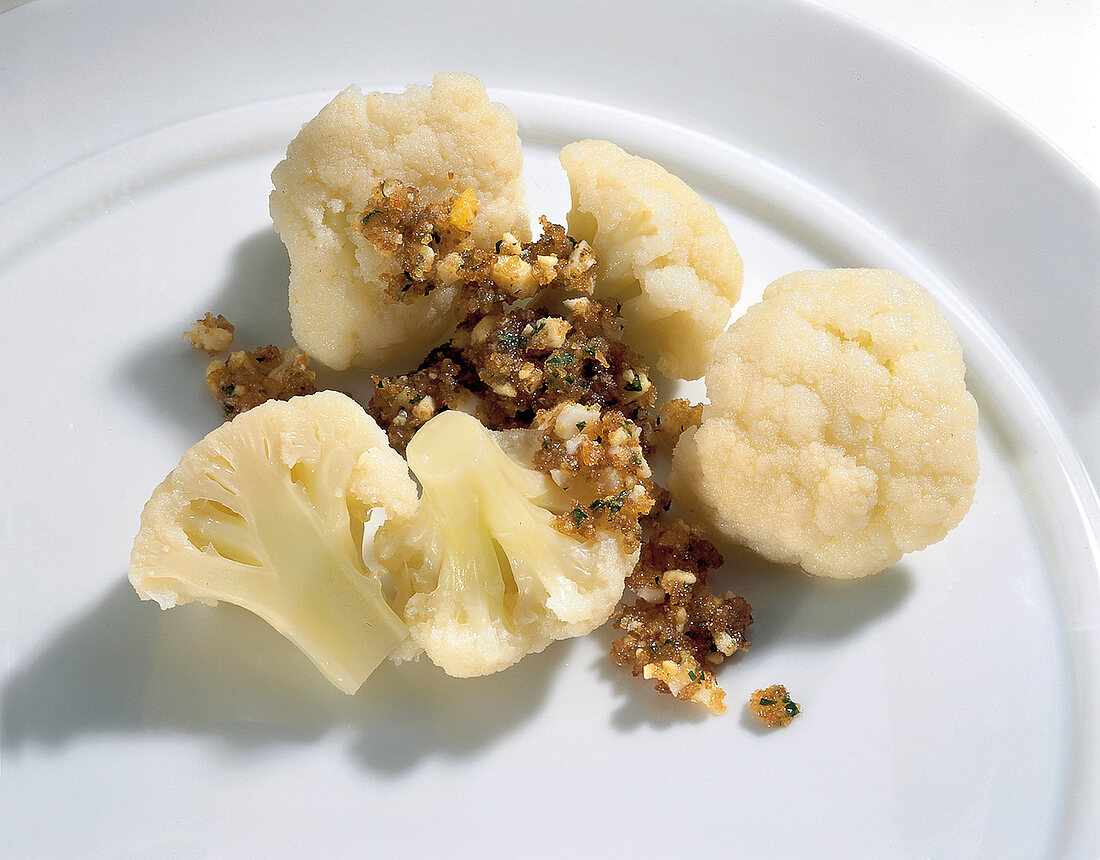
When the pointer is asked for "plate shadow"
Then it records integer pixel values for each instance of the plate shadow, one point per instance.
(125, 666)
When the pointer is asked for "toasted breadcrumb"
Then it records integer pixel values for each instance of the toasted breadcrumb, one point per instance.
(678, 632)
(249, 378)
(211, 334)
(431, 248)
(674, 417)
(523, 366)
(416, 235)
(773, 706)
(402, 404)
(507, 360)
(597, 456)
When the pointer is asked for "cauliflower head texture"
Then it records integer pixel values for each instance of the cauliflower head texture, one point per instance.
(483, 575)
(443, 140)
(259, 514)
(839, 434)
(662, 250)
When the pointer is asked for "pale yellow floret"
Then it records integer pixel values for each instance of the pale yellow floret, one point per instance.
(483, 577)
(840, 434)
(267, 513)
(661, 249)
(446, 139)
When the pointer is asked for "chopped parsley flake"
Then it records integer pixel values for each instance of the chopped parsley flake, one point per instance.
(508, 340)
(560, 358)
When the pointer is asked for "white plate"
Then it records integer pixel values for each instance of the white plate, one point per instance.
(948, 701)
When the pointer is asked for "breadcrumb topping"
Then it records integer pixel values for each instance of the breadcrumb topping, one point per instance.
(674, 417)
(249, 378)
(211, 334)
(678, 632)
(509, 358)
(430, 246)
(596, 455)
(402, 404)
(773, 706)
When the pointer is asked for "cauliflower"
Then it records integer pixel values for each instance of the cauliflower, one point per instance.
(839, 434)
(483, 575)
(444, 140)
(259, 513)
(662, 251)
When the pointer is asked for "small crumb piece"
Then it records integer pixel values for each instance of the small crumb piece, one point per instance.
(247, 379)
(688, 681)
(212, 334)
(403, 404)
(463, 211)
(773, 706)
(676, 416)
(602, 449)
(678, 632)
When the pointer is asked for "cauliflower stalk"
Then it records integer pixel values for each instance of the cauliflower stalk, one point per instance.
(662, 250)
(483, 575)
(839, 434)
(265, 513)
(445, 139)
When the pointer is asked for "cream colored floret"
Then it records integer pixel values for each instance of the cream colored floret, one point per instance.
(481, 574)
(442, 140)
(840, 434)
(661, 250)
(265, 512)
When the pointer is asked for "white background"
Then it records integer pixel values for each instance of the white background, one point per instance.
(129, 732)
(1040, 58)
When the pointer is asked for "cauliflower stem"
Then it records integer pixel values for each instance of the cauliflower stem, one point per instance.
(257, 515)
(490, 576)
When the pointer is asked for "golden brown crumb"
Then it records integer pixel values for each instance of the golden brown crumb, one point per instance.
(673, 418)
(597, 456)
(678, 632)
(247, 379)
(211, 334)
(430, 248)
(530, 359)
(773, 706)
(564, 370)
(415, 235)
(510, 361)
(402, 404)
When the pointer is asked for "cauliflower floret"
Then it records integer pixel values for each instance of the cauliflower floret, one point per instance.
(259, 514)
(840, 434)
(442, 140)
(484, 575)
(662, 251)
